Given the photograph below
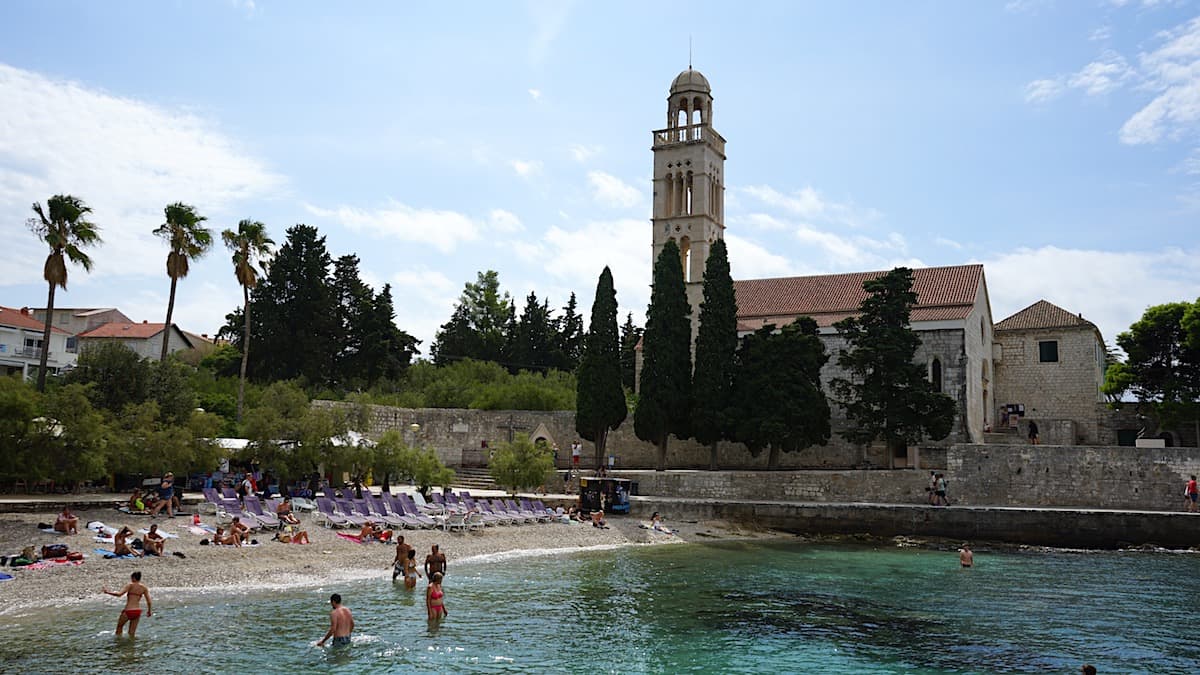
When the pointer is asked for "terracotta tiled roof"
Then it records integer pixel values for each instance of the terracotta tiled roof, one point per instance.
(124, 330)
(14, 317)
(942, 293)
(1042, 314)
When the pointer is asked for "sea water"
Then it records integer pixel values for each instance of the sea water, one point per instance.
(743, 607)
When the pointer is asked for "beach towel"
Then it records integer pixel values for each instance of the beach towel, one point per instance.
(164, 533)
(104, 540)
(5, 577)
(50, 530)
(101, 528)
(110, 555)
(54, 562)
(202, 529)
(359, 540)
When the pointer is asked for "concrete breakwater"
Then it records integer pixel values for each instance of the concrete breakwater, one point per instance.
(1058, 527)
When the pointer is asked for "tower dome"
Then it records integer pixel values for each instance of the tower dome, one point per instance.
(690, 81)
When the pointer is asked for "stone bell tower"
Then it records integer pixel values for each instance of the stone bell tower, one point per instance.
(689, 182)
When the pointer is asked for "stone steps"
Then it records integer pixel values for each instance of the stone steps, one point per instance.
(1004, 438)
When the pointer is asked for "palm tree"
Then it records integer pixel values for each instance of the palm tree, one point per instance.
(63, 226)
(189, 241)
(248, 244)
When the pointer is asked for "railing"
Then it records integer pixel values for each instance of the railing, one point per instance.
(693, 133)
(31, 352)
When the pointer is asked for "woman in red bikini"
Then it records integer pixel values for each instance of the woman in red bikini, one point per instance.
(134, 591)
(434, 598)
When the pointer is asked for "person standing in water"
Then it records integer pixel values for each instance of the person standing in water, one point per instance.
(402, 556)
(341, 623)
(410, 570)
(134, 591)
(435, 601)
(965, 557)
(435, 563)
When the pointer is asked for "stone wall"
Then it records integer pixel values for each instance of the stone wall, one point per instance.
(988, 475)
(1067, 389)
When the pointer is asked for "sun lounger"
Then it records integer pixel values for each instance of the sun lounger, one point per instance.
(486, 516)
(229, 493)
(370, 507)
(499, 507)
(254, 508)
(382, 505)
(346, 509)
(423, 506)
(327, 516)
(447, 506)
(514, 506)
(404, 506)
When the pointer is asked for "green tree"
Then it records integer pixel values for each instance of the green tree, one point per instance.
(114, 374)
(630, 336)
(188, 240)
(716, 345)
(64, 227)
(352, 300)
(476, 329)
(521, 465)
(887, 396)
(73, 437)
(533, 344)
(251, 247)
(570, 337)
(664, 397)
(387, 350)
(600, 399)
(776, 399)
(295, 317)
(392, 458)
(19, 405)
(1162, 367)
(429, 472)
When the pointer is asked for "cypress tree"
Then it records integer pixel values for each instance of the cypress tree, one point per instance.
(887, 396)
(664, 397)
(630, 335)
(600, 399)
(716, 346)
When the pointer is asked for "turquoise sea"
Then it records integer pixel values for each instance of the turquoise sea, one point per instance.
(774, 607)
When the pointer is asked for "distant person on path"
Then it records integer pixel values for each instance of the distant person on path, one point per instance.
(576, 449)
(1190, 496)
(246, 487)
(940, 491)
(435, 601)
(931, 497)
(341, 623)
(166, 496)
(1033, 434)
(68, 523)
(435, 563)
(965, 557)
(134, 591)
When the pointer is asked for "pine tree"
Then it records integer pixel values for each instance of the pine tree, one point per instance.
(570, 337)
(777, 401)
(600, 398)
(630, 336)
(533, 345)
(387, 350)
(477, 329)
(887, 396)
(716, 345)
(664, 397)
(353, 300)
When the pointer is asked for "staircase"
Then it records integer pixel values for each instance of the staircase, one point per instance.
(1004, 436)
(473, 479)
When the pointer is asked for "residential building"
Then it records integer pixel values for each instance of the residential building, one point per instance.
(21, 344)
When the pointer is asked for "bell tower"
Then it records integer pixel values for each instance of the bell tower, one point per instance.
(689, 182)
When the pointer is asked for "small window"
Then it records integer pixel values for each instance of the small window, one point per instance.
(1048, 351)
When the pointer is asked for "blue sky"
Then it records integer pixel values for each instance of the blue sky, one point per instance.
(1055, 142)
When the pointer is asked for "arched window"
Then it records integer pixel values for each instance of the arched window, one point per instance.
(685, 257)
(935, 374)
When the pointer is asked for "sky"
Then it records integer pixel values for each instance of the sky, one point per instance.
(1053, 141)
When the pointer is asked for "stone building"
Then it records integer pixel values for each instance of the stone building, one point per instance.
(1050, 365)
(953, 314)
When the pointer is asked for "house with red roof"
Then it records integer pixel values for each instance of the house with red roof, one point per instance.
(143, 338)
(21, 344)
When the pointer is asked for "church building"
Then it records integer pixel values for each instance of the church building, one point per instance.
(952, 316)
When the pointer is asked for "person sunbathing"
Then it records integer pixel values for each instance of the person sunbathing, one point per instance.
(67, 522)
(656, 523)
(598, 520)
(238, 529)
(284, 512)
(371, 531)
(121, 543)
(291, 536)
(222, 539)
(136, 505)
(153, 541)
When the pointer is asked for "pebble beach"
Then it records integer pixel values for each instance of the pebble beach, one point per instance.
(328, 559)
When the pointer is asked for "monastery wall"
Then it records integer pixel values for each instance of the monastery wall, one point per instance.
(1066, 389)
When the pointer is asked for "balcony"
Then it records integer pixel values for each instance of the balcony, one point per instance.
(693, 133)
(28, 352)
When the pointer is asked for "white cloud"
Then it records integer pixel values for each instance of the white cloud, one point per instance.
(1110, 289)
(126, 158)
(424, 298)
(1040, 91)
(748, 260)
(1101, 34)
(948, 243)
(1102, 76)
(612, 191)
(582, 153)
(581, 253)
(1173, 71)
(442, 229)
(549, 18)
(1026, 6)
(535, 94)
(526, 168)
(809, 204)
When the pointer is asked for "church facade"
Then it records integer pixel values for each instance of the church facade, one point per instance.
(953, 317)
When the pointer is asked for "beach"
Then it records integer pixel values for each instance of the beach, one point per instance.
(328, 559)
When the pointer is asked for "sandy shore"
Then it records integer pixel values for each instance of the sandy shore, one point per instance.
(327, 559)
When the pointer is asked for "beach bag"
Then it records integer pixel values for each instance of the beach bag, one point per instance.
(55, 551)
(74, 555)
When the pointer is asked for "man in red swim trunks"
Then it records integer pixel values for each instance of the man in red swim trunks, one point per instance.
(134, 591)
